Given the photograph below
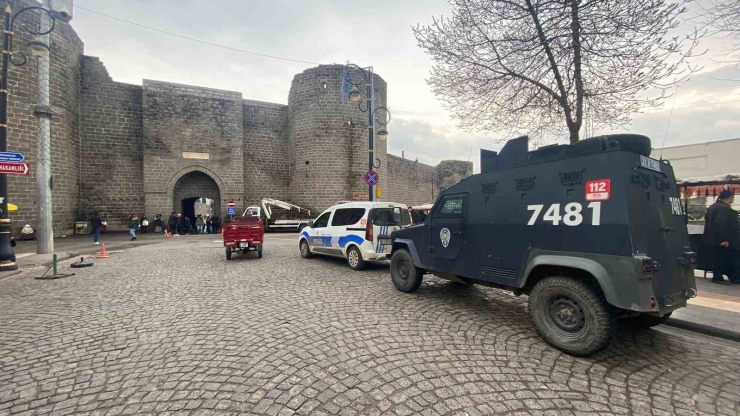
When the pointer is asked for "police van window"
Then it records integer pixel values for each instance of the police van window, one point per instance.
(389, 216)
(356, 215)
(452, 207)
(322, 221)
(340, 217)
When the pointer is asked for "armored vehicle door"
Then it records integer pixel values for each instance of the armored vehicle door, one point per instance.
(448, 226)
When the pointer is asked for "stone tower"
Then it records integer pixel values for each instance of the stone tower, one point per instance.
(328, 143)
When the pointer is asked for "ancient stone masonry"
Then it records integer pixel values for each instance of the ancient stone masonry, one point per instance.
(121, 149)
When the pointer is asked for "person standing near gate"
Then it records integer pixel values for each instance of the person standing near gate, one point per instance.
(722, 234)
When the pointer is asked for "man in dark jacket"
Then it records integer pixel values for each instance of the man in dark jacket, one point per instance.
(722, 234)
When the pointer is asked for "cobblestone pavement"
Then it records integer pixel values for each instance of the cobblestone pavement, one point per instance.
(175, 328)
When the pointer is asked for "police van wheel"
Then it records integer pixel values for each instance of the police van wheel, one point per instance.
(645, 321)
(405, 275)
(228, 253)
(354, 259)
(305, 249)
(571, 315)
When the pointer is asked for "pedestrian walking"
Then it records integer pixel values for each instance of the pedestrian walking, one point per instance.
(132, 226)
(144, 224)
(158, 225)
(199, 224)
(722, 235)
(97, 225)
(172, 223)
(209, 224)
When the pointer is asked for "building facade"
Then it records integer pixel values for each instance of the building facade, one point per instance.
(121, 149)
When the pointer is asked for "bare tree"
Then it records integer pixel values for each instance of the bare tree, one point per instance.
(533, 65)
(723, 17)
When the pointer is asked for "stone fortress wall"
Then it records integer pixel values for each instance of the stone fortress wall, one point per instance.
(121, 149)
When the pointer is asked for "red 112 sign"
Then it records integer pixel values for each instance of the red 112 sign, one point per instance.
(598, 190)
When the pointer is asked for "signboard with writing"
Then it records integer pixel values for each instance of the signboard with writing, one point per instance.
(360, 196)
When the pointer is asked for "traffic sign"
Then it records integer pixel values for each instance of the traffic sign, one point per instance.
(13, 157)
(231, 203)
(14, 168)
(231, 210)
(371, 177)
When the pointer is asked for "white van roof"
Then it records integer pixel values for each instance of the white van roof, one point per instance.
(367, 205)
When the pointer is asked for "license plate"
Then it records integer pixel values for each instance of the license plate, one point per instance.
(243, 245)
(648, 163)
(385, 241)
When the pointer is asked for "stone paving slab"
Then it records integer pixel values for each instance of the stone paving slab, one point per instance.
(176, 329)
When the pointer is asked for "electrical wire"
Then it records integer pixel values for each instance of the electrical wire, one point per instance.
(196, 40)
(670, 116)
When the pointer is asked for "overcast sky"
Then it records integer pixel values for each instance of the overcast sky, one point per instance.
(376, 33)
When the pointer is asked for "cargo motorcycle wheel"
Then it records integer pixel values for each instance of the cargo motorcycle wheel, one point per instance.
(354, 259)
(645, 321)
(228, 253)
(405, 276)
(305, 249)
(571, 315)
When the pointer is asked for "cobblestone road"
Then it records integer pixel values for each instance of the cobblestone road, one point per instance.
(174, 328)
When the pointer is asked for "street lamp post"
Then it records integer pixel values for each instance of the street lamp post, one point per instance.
(37, 48)
(355, 96)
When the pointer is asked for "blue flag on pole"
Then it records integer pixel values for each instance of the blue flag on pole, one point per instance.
(345, 86)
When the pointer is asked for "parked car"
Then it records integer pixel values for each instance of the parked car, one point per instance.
(357, 231)
(244, 234)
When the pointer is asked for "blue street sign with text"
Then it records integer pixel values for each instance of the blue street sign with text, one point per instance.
(13, 157)
(231, 210)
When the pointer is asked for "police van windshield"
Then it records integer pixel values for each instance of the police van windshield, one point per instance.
(390, 216)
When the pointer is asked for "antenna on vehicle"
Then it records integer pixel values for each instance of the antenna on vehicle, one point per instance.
(670, 116)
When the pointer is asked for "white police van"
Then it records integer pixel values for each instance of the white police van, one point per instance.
(357, 231)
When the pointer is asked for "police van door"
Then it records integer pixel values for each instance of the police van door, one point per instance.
(448, 226)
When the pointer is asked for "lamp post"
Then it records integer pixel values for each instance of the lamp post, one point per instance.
(355, 96)
(37, 48)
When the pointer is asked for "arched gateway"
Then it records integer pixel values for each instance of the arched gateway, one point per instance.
(196, 187)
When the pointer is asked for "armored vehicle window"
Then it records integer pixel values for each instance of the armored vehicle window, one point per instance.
(452, 207)
(340, 217)
(356, 215)
(322, 221)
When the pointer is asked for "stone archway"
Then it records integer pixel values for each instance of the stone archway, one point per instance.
(191, 186)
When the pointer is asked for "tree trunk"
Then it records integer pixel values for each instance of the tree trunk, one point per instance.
(574, 136)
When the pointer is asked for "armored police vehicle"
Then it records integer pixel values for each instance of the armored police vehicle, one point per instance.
(593, 232)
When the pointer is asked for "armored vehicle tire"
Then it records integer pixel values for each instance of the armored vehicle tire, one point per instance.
(571, 315)
(305, 249)
(301, 227)
(630, 142)
(645, 321)
(228, 253)
(405, 275)
(354, 259)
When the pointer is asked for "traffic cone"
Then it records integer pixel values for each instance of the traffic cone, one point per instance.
(103, 254)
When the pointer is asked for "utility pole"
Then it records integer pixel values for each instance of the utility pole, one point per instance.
(43, 113)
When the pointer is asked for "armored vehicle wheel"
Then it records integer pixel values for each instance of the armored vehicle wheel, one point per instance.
(645, 321)
(354, 259)
(301, 227)
(305, 250)
(405, 275)
(571, 315)
(228, 253)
